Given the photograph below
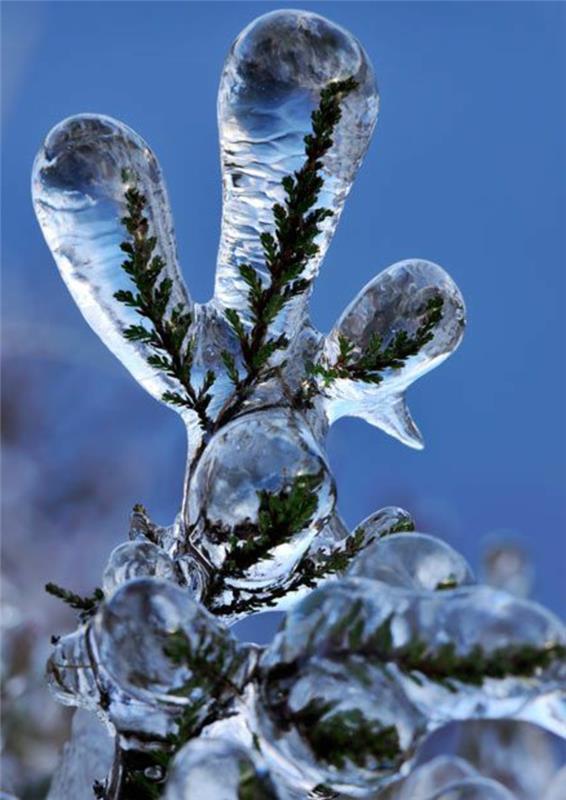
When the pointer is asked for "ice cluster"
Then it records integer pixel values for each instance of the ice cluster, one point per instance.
(387, 636)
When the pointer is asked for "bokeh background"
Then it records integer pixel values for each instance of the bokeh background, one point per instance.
(467, 168)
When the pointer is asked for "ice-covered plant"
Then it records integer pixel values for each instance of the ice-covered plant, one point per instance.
(387, 637)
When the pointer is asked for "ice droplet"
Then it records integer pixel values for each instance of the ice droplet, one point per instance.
(161, 646)
(269, 87)
(433, 776)
(506, 566)
(346, 616)
(557, 788)
(394, 301)
(87, 757)
(70, 672)
(217, 769)
(344, 723)
(266, 451)
(500, 749)
(133, 560)
(414, 561)
(385, 521)
(78, 194)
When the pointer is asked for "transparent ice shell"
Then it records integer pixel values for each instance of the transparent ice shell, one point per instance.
(217, 769)
(134, 560)
(78, 191)
(265, 451)
(394, 301)
(413, 561)
(269, 87)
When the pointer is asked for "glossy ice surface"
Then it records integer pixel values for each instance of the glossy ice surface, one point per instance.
(345, 694)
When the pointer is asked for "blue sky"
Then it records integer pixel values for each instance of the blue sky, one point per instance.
(466, 169)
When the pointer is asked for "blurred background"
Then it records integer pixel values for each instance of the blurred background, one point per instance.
(467, 168)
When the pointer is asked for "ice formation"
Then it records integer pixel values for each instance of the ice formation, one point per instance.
(397, 640)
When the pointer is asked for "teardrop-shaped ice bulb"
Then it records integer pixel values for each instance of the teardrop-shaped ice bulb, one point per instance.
(269, 87)
(71, 673)
(79, 189)
(134, 560)
(344, 722)
(502, 637)
(415, 561)
(256, 464)
(397, 300)
(151, 638)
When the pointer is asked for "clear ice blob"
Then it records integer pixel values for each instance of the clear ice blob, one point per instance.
(473, 789)
(500, 749)
(87, 757)
(251, 465)
(417, 561)
(217, 769)
(270, 85)
(386, 521)
(394, 301)
(71, 673)
(77, 677)
(78, 186)
(433, 776)
(375, 621)
(160, 646)
(134, 560)
(344, 723)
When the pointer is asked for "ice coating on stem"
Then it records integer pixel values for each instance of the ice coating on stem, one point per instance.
(134, 560)
(412, 630)
(394, 301)
(217, 769)
(270, 85)
(346, 724)
(254, 469)
(160, 645)
(414, 561)
(78, 187)
(368, 664)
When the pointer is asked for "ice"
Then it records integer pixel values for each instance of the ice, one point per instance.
(217, 769)
(389, 647)
(433, 776)
(86, 757)
(143, 626)
(473, 789)
(353, 615)
(394, 301)
(133, 560)
(346, 724)
(78, 194)
(266, 451)
(390, 519)
(414, 561)
(269, 87)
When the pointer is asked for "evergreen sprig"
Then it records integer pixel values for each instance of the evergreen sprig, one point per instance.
(312, 569)
(86, 606)
(444, 664)
(337, 737)
(286, 252)
(254, 786)
(280, 515)
(369, 365)
(210, 664)
(167, 335)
